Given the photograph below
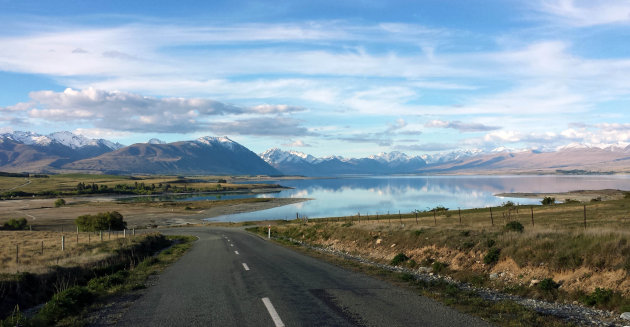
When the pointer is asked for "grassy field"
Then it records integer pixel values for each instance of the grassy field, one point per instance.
(589, 264)
(37, 251)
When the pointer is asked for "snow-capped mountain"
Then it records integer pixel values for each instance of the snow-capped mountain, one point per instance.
(203, 156)
(298, 163)
(32, 152)
(432, 159)
(65, 138)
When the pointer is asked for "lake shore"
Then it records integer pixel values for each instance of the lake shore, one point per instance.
(43, 215)
(579, 195)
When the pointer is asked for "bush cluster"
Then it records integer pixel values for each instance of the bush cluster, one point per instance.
(102, 221)
(15, 224)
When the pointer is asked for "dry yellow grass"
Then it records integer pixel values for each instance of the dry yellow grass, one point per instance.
(39, 250)
(557, 245)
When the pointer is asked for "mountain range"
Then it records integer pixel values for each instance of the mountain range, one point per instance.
(67, 152)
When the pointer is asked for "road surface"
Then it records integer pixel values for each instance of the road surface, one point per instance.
(233, 278)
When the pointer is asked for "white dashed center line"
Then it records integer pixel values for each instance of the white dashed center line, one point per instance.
(245, 266)
(272, 312)
(236, 252)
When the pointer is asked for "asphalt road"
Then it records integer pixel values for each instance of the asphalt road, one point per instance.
(233, 278)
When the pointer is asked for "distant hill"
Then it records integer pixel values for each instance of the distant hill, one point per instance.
(206, 155)
(298, 163)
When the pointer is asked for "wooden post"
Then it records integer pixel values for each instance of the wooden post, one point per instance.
(491, 218)
(399, 217)
(389, 217)
(584, 217)
(100, 234)
(63, 243)
(42, 247)
(17, 254)
(416, 217)
(133, 232)
(77, 238)
(532, 215)
(459, 212)
(359, 216)
(124, 232)
(434, 217)
(89, 238)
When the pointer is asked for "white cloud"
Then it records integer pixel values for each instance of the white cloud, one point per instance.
(123, 111)
(583, 13)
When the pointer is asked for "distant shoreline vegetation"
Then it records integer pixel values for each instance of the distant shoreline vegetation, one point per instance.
(583, 172)
(78, 185)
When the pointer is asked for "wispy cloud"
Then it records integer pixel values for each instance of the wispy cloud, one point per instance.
(461, 126)
(583, 13)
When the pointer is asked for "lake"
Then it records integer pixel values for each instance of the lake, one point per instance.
(380, 194)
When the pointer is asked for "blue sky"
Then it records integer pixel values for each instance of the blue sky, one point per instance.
(349, 78)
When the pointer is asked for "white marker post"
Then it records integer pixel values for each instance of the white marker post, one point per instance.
(269, 232)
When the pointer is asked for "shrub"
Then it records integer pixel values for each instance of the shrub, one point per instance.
(548, 200)
(514, 226)
(15, 224)
(548, 284)
(68, 302)
(418, 232)
(597, 199)
(490, 243)
(398, 259)
(60, 203)
(439, 267)
(439, 209)
(600, 296)
(492, 256)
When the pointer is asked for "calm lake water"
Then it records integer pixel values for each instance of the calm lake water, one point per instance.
(369, 195)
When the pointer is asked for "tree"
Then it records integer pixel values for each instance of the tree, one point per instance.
(548, 200)
(102, 221)
(60, 203)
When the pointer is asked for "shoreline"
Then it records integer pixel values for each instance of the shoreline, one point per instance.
(577, 195)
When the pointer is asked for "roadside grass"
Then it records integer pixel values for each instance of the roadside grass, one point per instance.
(556, 246)
(69, 306)
(501, 313)
(38, 251)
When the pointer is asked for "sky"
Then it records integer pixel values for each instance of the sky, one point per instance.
(349, 78)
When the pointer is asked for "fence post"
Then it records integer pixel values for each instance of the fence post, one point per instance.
(42, 247)
(399, 217)
(416, 213)
(359, 216)
(17, 254)
(89, 237)
(133, 232)
(389, 217)
(459, 212)
(491, 218)
(63, 243)
(100, 234)
(434, 218)
(124, 232)
(532, 215)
